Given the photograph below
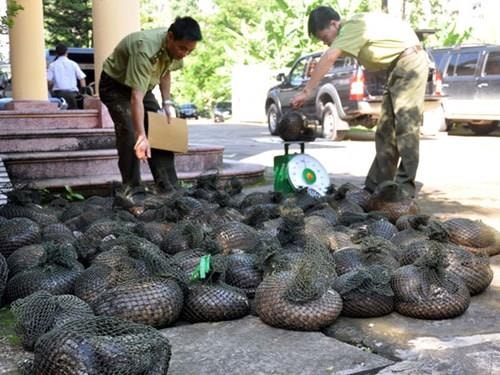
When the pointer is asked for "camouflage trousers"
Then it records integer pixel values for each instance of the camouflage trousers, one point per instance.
(116, 97)
(398, 129)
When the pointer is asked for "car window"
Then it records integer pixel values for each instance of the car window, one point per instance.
(298, 72)
(492, 63)
(440, 58)
(463, 64)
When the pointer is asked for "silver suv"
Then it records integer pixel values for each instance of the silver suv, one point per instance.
(471, 85)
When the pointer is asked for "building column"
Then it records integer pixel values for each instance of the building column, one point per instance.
(112, 20)
(27, 59)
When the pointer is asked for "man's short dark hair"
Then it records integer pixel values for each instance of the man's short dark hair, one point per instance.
(61, 49)
(320, 18)
(186, 28)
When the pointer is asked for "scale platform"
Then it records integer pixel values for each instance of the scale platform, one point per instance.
(297, 171)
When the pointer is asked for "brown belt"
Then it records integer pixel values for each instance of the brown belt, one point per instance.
(408, 51)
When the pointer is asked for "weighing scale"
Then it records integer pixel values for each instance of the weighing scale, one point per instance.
(298, 171)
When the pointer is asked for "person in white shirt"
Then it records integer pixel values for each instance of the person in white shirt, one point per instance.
(63, 75)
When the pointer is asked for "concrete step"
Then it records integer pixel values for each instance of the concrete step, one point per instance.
(248, 174)
(26, 140)
(29, 167)
(13, 121)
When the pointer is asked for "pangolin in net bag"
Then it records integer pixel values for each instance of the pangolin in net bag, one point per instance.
(4, 273)
(301, 299)
(473, 269)
(235, 235)
(390, 199)
(40, 312)
(154, 301)
(244, 271)
(474, 235)
(366, 292)
(102, 346)
(371, 251)
(55, 274)
(181, 237)
(209, 298)
(425, 290)
(58, 232)
(16, 233)
(39, 215)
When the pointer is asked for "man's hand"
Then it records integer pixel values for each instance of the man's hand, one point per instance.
(166, 110)
(298, 100)
(142, 148)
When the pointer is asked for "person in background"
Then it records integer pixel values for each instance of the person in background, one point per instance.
(63, 76)
(379, 42)
(138, 63)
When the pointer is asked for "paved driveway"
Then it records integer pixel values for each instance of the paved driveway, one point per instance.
(459, 174)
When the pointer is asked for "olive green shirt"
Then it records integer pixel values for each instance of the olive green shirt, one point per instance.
(140, 60)
(375, 39)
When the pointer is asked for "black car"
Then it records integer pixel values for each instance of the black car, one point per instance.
(348, 95)
(222, 111)
(471, 84)
(188, 110)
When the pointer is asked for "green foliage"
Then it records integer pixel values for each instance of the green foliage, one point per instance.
(7, 323)
(7, 21)
(71, 195)
(68, 22)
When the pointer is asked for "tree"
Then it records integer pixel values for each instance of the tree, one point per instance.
(68, 22)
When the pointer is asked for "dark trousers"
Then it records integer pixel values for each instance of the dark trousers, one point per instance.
(70, 97)
(398, 129)
(116, 97)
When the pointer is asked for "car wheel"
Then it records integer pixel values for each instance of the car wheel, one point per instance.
(330, 123)
(272, 119)
(483, 129)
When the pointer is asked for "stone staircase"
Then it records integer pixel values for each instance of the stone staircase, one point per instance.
(74, 148)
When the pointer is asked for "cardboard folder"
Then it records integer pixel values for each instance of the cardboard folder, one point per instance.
(165, 136)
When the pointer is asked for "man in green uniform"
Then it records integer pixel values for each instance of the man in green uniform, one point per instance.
(379, 42)
(138, 63)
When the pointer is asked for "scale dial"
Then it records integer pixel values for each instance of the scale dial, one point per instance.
(304, 171)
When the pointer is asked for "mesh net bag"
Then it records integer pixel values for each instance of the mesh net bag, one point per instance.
(390, 199)
(412, 222)
(154, 301)
(407, 236)
(473, 269)
(377, 250)
(87, 245)
(234, 235)
(258, 197)
(244, 271)
(381, 228)
(210, 299)
(152, 231)
(16, 233)
(4, 273)
(256, 215)
(475, 235)
(366, 292)
(189, 208)
(104, 346)
(292, 227)
(55, 274)
(30, 211)
(183, 236)
(354, 194)
(41, 311)
(425, 290)
(57, 232)
(26, 257)
(301, 299)
(325, 211)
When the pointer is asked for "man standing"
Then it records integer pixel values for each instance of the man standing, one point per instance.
(62, 76)
(138, 63)
(379, 42)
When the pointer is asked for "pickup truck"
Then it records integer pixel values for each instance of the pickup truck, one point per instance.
(471, 84)
(347, 96)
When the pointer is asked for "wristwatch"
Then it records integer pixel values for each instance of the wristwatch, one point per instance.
(168, 102)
